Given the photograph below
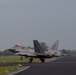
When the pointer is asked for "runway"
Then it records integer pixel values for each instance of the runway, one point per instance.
(62, 66)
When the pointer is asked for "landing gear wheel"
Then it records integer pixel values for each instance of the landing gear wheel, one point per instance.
(30, 60)
(42, 60)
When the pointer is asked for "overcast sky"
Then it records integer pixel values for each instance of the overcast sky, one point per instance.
(22, 21)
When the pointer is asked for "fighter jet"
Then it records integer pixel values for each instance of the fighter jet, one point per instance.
(37, 52)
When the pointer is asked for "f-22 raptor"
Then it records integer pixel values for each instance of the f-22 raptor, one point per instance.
(36, 52)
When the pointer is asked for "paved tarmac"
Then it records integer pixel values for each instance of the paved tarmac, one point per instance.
(62, 66)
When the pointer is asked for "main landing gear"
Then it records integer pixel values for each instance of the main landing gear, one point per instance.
(42, 60)
(30, 60)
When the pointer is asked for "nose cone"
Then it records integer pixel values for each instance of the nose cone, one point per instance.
(13, 50)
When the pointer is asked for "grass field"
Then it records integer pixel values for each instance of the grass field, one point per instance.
(13, 59)
(17, 59)
(8, 69)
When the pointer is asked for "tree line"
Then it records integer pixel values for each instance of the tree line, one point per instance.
(44, 46)
(6, 53)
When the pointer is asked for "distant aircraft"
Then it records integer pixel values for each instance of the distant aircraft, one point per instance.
(37, 52)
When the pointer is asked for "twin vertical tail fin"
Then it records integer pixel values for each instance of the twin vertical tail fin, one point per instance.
(55, 46)
(37, 47)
